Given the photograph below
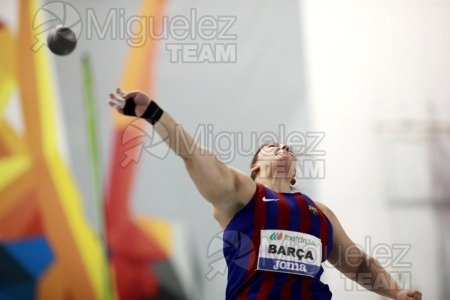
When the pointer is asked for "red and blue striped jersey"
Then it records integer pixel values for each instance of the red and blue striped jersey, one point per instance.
(282, 212)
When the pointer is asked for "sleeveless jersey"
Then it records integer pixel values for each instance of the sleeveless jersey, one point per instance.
(283, 213)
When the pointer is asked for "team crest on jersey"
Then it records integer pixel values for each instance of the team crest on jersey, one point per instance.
(313, 210)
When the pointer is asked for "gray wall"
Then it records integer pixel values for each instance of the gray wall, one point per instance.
(378, 76)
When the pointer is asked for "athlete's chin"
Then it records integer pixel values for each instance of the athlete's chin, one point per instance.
(282, 172)
(283, 163)
(283, 158)
(281, 176)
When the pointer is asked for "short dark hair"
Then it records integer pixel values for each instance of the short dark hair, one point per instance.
(255, 158)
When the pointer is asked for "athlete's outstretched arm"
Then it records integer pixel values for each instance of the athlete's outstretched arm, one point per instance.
(226, 188)
(354, 263)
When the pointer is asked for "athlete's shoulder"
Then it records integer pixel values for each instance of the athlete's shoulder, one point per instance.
(326, 210)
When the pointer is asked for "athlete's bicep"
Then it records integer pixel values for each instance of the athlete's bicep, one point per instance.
(217, 182)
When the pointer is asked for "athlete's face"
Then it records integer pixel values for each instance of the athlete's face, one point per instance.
(276, 160)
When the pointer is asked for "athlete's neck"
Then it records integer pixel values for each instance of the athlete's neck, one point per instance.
(279, 185)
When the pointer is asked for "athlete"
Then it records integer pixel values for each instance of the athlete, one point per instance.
(275, 241)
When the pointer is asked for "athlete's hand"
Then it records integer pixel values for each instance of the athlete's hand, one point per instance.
(409, 295)
(140, 99)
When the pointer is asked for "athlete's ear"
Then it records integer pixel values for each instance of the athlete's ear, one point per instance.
(255, 169)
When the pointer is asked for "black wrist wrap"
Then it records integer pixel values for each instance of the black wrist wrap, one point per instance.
(152, 114)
